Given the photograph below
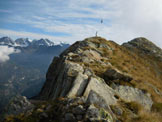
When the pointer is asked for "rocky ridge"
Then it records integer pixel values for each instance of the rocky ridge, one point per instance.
(96, 80)
(145, 46)
(73, 79)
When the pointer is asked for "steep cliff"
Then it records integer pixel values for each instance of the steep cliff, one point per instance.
(99, 80)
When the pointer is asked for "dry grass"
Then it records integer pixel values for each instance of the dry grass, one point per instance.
(134, 112)
(146, 116)
(143, 68)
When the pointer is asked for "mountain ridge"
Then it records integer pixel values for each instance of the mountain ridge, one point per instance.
(25, 42)
(145, 46)
(24, 72)
(99, 80)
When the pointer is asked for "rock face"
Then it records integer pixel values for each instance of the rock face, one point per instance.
(133, 94)
(72, 79)
(99, 80)
(113, 74)
(85, 70)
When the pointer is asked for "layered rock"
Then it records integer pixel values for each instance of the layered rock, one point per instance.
(99, 80)
(73, 74)
(74, 81)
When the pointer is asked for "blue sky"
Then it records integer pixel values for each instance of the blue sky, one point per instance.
(72, 20)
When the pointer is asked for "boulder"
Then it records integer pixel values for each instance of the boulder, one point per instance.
(19, 104)
(70, 117)
(94, 98)
(98, 85)
(130, 94)
(63, 80)
(113, 74)
(98, 114)
(92, 112)
(79, 110)
(78, 85)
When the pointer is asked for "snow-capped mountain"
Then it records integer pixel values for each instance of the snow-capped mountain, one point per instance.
(44, 42)
(25, 42)
(6, 41)
(24, 72)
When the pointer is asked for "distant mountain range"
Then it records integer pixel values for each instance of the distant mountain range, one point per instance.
(25, 42)
(25, 72)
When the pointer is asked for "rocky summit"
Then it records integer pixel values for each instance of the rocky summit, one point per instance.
(98, 80)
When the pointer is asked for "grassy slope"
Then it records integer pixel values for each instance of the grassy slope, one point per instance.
(144, 69)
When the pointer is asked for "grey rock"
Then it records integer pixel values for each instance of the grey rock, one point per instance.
(85, 59)
(114, 74)
(78, 85)
(102, 45)
(76, 100)
(92, 53)
(94, 98)
(130, 94)
(17, 105)
(62, 77)
(117, 110)
(88, 72)
(71, 54)
(101, 88)
(98, 114)
(79, 110)
(69, 117)
(92, 112)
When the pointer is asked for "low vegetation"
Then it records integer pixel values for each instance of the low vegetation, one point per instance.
(146, 71)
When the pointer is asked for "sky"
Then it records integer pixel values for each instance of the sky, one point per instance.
(73, 20)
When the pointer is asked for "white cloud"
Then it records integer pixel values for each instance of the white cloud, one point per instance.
(5, 52)
(139, 18)
(123, 19)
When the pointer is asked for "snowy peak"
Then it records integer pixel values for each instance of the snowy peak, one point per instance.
(23, 42)
(6, 41)
(42, 42)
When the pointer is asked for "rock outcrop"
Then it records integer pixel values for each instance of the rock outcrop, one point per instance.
(18, 105)
(98, 80)
(133, 94)
(73, 74)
